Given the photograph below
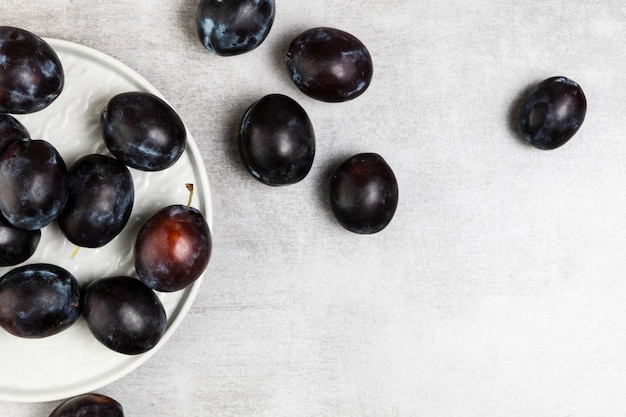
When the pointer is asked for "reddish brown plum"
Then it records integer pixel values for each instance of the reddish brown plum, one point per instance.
(364, 193)
(173, 248)
(234, 27)
(88, 405)
(329, 64)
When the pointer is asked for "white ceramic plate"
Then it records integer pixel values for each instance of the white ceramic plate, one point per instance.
(73, 362)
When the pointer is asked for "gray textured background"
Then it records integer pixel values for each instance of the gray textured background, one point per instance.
(497, 290)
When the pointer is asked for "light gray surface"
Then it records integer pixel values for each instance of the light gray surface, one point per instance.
(498, 288)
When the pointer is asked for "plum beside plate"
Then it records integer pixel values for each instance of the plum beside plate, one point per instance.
(71, 123)
(234, 27)
(329, 64)
(553, 113)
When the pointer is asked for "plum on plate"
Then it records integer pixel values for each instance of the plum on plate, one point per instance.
(173, 247)
(16, 245)
(101, 196)
(143, 131)
(38, 300)
(124, 314)
(32, 73)
(34, 183)
(11, 130)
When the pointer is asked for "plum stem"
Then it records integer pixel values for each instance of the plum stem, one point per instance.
(75, 252)
(189, 187)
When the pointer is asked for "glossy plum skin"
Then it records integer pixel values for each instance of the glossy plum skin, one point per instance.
(11, 130)
(553, 113)
(364, 193)
(143, 131)
(38, 300)
(101, 197)
(276, 140)
(329, 64)
(173, 248)
(124, 314)
(234, 27)
(16, 245)
(89, 405)
(32, 74)
(34, 183)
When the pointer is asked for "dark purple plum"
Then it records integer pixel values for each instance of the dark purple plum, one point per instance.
(16, 245)
(329, 64)
(100, 201)
(234, 27)
(276, 140)
(31, 72)
(88, 405)
(11, 130)
(38, 300)
(124, 314)
(364, 193)
(143, 131)
(173, 248)
(553, 113)
(34, 183)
